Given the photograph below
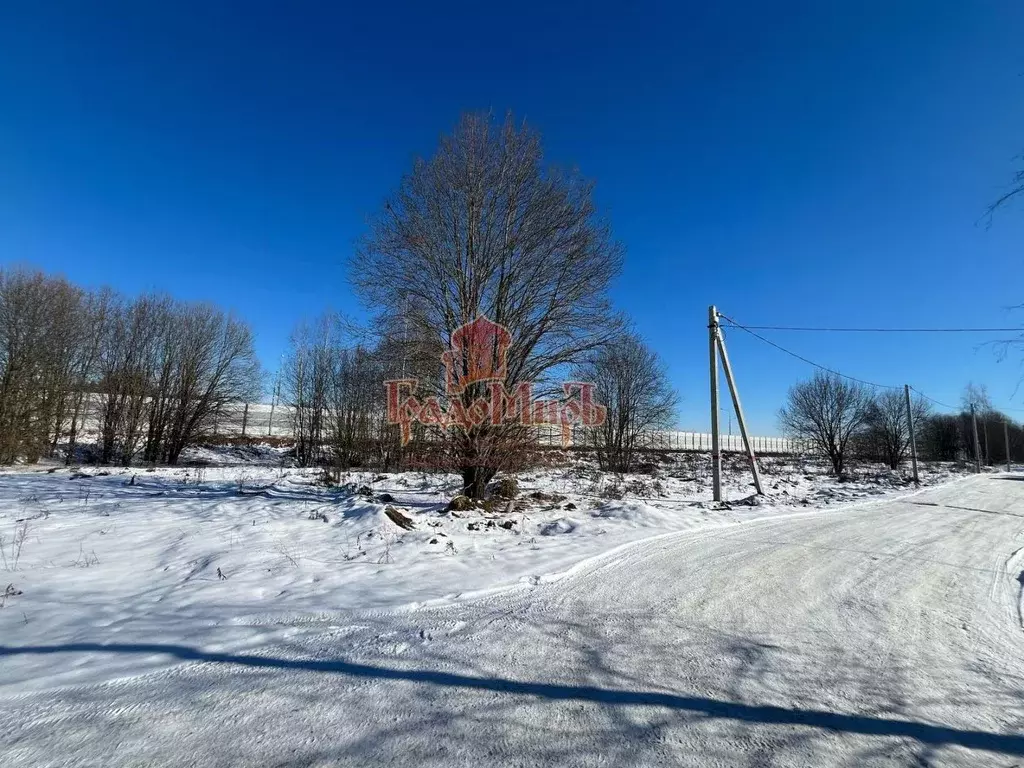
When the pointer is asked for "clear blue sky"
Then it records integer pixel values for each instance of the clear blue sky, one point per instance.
(811, 163)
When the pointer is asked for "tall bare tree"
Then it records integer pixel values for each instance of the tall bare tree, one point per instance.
(976, 396)
(26, 337)
(95, 316)
(630, 380)
(126, 365)
(828, 411)
(309, 374)
(484, 228)
(217, 369)
(975, 399)
(887, 427)
(47, 346)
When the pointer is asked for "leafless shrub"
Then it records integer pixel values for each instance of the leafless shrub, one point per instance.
(9, 592)
(86, 559)
(13, 556)
(388, 539)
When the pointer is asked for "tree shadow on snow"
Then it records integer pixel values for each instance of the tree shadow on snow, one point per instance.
(926, 734)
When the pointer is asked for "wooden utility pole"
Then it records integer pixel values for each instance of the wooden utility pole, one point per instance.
(245, 418)
(739, 411)
(1006, 437)
(716, 451)
(910, 428)
(273, 402)
(977, 444)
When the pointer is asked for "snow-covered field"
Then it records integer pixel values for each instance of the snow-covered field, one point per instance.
(245, 614)
(239, 554)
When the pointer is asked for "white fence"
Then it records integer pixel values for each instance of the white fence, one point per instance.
(257, 420)
(663, 440)
(252, 420)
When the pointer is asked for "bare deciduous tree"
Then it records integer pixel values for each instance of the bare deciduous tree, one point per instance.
(631, 382)
(828, 411)
(975, 399)
(887, 428)
(976, 396)
(309, 371)
(46, 350)
(160, 370)
(483, 228)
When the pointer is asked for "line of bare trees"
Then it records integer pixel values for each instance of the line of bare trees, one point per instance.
(843, 418)
(333, 385)
(336, 393)
(158, 371)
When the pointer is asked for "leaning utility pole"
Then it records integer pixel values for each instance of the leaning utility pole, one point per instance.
(977, 444)
(1006, 437)
(910, 428)
(739, 411)
(716, 451)
(716, 346)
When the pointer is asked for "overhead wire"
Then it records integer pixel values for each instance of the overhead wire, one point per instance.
(752, 328)
(937, 402)
(789, 352)
(879, 330)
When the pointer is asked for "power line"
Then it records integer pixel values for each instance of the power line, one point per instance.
(750, 330)
(804, 359)
(876, 330)
(937, 402)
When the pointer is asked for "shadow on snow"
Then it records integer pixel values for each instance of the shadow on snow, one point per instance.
(829, 721)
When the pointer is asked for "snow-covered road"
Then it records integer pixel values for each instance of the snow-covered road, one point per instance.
(886, 634)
